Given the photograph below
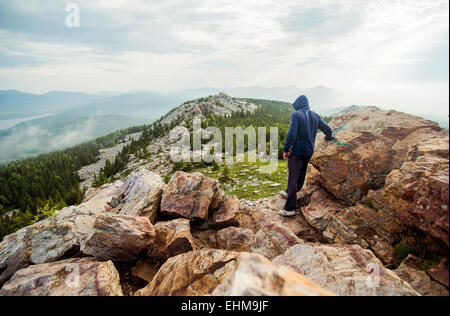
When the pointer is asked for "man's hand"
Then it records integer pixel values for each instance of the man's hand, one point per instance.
(286, 156)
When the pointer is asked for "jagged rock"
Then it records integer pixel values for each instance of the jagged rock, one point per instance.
(439, 272)
(257, 276)
(419, 280)
(120, 238)
(358, 224)
(72, 277)
(189, 196)
(345, 270)
(140, 195)
(191, 274)
(226, 213)
(234, 239)
(145, 270)
(379, 140)
(417, 194)
(172, 238)
(393, 162)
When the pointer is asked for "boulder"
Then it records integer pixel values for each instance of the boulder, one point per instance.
(419, 280)
(345, 270)
(120, 238)
(140, 195)
(189, 196)
(172, 238)
(257, 276)
(226, 213)
(71, 277)
(194, 273)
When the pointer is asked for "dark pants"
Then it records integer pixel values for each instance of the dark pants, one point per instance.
(297, 166)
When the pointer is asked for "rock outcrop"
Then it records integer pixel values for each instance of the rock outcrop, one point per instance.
(345, 270)
(71, 277)
(374, 142)
(417, 194)
(384, 178)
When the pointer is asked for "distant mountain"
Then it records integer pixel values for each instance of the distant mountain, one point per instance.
(12, 101)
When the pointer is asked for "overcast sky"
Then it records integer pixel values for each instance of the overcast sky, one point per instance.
(391, 53)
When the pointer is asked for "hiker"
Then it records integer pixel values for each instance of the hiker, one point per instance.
(299, 148)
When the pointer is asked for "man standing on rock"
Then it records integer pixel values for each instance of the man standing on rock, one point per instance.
(299, 148)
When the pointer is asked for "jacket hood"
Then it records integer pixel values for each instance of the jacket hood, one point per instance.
(301, 103)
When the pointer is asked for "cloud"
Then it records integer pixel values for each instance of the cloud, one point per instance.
(121, 45)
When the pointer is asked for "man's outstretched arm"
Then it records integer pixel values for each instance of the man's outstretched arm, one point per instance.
(326, 129)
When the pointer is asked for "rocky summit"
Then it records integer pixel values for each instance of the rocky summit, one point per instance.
(372, 220)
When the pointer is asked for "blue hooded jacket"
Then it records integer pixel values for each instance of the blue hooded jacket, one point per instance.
(304, 126)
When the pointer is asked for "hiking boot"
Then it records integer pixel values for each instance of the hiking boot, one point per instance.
(285, 213)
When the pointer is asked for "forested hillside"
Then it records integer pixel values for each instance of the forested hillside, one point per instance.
(46, 182)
